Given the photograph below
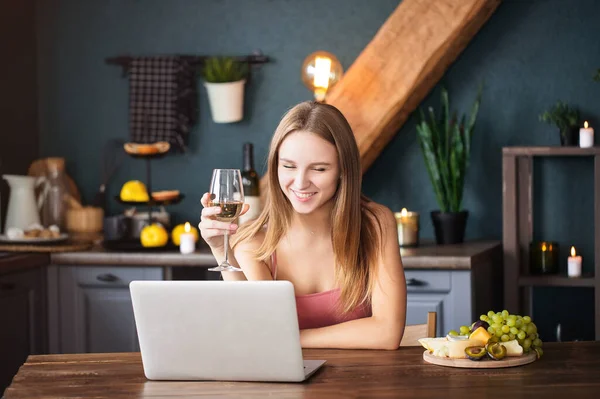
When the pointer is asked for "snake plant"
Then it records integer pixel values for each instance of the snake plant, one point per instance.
(224, 69)
(446, 145)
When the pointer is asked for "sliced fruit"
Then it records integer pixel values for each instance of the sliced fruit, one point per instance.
(496, 351)
(494, 339)
(165, 195)
(475, 352)
(481, 334)
(456, 349)
(146, 149)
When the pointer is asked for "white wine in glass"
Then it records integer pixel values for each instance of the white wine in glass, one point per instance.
(226, 192)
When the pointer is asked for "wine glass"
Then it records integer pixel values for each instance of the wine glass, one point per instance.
(226, 192)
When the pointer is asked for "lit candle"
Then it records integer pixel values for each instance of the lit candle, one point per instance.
(187, 240)
(544, 257)
(586, 136)
(408, 228)
(574, 264)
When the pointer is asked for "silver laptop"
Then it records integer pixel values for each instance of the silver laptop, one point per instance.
(219, 330)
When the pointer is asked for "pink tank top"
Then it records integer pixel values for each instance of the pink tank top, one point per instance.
(319, 309)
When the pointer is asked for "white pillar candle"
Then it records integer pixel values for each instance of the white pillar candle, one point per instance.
(187, 241)
(574, 264)
(586, 136)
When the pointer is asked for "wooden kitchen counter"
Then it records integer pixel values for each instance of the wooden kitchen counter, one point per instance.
(99, 256)
(570, 370)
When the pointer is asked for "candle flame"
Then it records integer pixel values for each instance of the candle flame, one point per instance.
(404, 212)
(187, 227)
(585, 124)
(544, 247)
(572, 251)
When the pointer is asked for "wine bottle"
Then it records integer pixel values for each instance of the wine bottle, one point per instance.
(250, 181)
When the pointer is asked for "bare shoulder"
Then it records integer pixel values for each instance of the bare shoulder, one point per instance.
(381, 214)
(250, 244)
(246, 254)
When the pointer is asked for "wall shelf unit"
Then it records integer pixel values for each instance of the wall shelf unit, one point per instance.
(517, 229)
(256, 58)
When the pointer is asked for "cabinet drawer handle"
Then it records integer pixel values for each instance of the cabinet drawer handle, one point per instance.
(107, 278)
(413, 282)
(7, 286)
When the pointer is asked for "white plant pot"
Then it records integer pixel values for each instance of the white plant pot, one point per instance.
(226, 101)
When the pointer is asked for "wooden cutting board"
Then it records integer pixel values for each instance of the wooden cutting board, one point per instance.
(510, 361)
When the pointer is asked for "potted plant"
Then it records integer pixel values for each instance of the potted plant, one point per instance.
(224, 79)
(446, 145)
(567, 121)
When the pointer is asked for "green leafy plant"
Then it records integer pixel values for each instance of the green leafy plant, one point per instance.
(561, 115)
(223, 70)
(446, 145)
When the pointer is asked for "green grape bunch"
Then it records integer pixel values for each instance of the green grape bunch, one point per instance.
(503, 327)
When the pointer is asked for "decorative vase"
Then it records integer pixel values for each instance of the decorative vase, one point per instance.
(569, 136)
(226, 101)
(449, 227)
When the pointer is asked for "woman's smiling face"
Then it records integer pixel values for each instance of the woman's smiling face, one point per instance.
(308, 171)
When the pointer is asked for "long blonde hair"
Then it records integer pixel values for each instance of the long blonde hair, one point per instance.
(356, 231)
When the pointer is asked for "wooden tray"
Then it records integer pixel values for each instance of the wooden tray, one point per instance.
(67, 247)
(32, 240)
(509, 361)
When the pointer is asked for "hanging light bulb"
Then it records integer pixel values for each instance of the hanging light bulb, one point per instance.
(320, 72)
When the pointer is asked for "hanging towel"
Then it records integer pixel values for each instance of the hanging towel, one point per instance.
(162, 100)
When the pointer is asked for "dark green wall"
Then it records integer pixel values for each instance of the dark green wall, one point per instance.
(18, 85)
(529, 55)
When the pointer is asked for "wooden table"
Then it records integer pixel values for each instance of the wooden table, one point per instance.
(567, 370)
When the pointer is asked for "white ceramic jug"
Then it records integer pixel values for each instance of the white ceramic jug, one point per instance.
(23, 209)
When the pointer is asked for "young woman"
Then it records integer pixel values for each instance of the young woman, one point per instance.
(339, 249)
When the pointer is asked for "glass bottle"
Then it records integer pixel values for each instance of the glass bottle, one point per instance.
(54, 206)
(251, 183)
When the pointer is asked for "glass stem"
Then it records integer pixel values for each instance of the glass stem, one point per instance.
(226, 238)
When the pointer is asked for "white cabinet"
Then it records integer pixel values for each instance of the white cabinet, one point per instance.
(90, 308)
(453, 294)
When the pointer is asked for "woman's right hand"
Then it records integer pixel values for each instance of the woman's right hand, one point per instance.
(211, 229)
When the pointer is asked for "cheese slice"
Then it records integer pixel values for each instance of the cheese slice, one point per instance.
(433, 344)
(513, 348)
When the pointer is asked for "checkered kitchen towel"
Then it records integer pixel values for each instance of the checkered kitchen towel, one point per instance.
(162, 100)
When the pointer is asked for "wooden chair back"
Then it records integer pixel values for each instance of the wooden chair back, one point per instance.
(414, 332)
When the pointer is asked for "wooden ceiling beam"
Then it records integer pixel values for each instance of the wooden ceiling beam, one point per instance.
(407, 57)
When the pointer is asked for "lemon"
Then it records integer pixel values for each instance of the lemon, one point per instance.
(179, 229)
(134, 190)
(154, 235)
